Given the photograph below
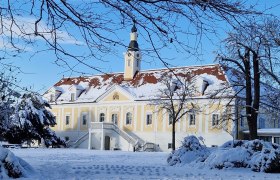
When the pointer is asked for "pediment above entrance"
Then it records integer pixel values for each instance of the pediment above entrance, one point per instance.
(116, 93)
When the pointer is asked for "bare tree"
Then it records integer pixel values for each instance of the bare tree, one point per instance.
(174, 96)
(96, 24)
(250, 56)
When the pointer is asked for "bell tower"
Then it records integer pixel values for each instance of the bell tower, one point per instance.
(132, 57)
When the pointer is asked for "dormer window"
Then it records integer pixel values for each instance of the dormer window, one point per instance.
(72, 96)
(205, 84)
(54, 93)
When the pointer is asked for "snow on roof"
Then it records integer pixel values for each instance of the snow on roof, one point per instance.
(144, 86)
(56, 88)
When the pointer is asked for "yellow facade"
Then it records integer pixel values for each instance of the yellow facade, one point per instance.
(139, 114)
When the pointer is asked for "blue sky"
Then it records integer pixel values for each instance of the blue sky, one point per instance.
(40, 71)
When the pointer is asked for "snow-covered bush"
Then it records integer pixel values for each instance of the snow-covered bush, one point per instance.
(268, 160)
(12, 166)
(228, 158)
(233, 143)
(254, 146)
(191, 150)
(256, 154)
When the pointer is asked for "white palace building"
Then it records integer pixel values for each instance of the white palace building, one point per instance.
(114, 111)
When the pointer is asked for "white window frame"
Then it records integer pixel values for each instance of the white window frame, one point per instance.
(276, 139)
(72, 98)
(215, 122)
(170, 120)
(86, 116)
(115, 118)
(128, 119)
(69, 119)
(102, 118)
(149, 119)
(190, 115)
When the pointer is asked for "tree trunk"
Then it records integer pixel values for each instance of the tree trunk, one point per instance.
(173, 135)
(251, 122)
(256, 100)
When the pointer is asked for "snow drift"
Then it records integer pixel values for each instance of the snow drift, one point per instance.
(12, 166)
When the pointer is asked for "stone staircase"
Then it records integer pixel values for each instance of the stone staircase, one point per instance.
(75, 144)
(111, 126)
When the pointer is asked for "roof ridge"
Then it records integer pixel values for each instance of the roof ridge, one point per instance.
(147, 70)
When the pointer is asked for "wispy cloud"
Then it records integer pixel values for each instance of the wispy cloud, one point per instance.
(23, 28)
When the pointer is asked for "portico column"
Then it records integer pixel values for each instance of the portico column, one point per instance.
(102, 137)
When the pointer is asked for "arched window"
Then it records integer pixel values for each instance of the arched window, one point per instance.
(101, 117)
(128, 118)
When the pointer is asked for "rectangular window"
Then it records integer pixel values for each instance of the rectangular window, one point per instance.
(241, 121)
(115, 119)
(192, 119)
(149, 119)
(170, 119)
(128, 118)
(261, 123)
(67, 120)
(72, 96)
(84, 119)
(277, 140)
(169, 145)
(266, 138)
(215, 119)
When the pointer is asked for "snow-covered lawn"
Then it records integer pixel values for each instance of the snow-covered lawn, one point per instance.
(90, 164)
